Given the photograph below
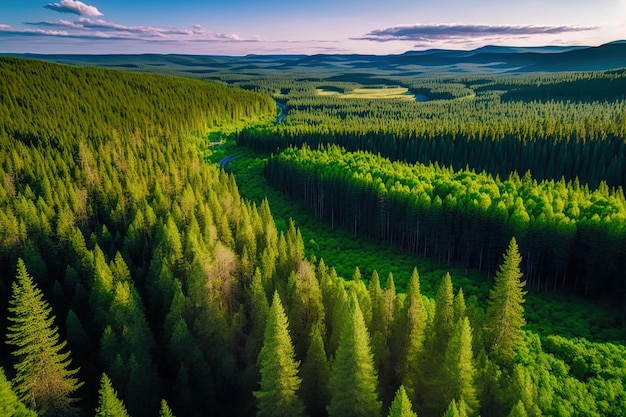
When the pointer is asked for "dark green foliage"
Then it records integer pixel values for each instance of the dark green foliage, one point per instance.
(163, 272)
(570, 235)
(315, 374)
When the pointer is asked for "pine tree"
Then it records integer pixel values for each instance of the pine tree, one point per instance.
(44, 379)
(444, 313)
(109, 404)
(459, 369)
(10, 405)
(353, 380)
(315, 375)
(401, 405)
(412, 372)
(165, 410)
(505, 313)
(280, 382)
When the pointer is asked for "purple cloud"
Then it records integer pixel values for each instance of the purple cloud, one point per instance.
(101, 29)
(430, 33)
(74, 7)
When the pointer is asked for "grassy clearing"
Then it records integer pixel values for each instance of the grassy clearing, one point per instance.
(401, 93)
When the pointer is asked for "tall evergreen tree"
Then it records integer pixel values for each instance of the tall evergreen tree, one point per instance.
(10, 405)
(109, 404)
(315, 375)
(44, 379)
(411, 372)
(459, 369)
(505, 313)
(401, 405)
(279, 384)
(444, 313)
(353, 381)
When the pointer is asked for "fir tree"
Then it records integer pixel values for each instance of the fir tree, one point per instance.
(505, 313)
(353, 381)
(401, 405)
(44, 379)
(279, 384)
(109, 404)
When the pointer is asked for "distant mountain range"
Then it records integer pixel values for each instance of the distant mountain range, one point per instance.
(491, 58)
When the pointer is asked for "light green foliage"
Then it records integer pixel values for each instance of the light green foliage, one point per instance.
(165, 410)
(444, 314)
(463, 215)
(109, 405)
(518, 410)
(401, 405)
(44, 379)
(505, 313)
(277, 395)
(456, 409)
(459, 305)
(460, 372)
(412, 372)
(10, 405)
(353, 381)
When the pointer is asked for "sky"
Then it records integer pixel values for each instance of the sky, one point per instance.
(241, 27)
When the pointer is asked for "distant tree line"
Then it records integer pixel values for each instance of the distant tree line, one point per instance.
(570, 235)
(572, 128)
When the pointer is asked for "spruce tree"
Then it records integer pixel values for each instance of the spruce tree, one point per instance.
(44, 379)
(10, 405)
(353, 380)
(460, 373)
(411, 372)
(505, 313)
(444, 313)
(280, 382)
(401, 405)
(315, 375)
(109, 404)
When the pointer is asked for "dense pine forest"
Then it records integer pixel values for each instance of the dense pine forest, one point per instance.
(137, 281)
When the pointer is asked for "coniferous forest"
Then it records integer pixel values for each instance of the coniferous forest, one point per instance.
(139, 279)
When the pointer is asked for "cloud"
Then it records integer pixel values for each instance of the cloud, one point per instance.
(88, 28)
(431, 33)
(74, 7)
